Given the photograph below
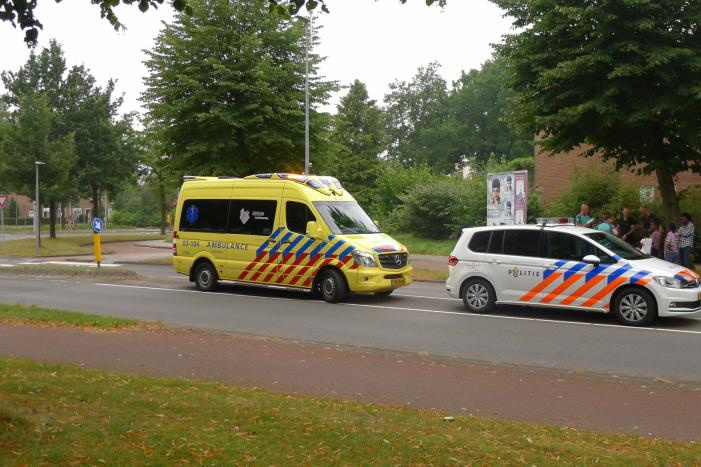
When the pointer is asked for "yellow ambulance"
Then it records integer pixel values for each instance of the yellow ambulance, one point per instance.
(284, 230)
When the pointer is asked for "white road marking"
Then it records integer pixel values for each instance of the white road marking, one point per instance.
(426, 296)
(420, 310)
(78, 263)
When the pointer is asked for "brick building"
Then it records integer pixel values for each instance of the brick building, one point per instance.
(553, 174)
(82, 210)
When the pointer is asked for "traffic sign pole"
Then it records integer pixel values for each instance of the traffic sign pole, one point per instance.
(3, 202)
(97, 247)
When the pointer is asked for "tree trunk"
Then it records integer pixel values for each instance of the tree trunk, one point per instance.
(670, 201)
(164, 209)
(52, 218)
(95, 202)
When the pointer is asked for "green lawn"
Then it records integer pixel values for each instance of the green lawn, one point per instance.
(424, 246)
(67, 245)
(53, 414)
(36, 315)
(60, 271)
(421, 274)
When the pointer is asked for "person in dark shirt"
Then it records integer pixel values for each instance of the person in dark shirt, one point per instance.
(646, 219)
(626, 225)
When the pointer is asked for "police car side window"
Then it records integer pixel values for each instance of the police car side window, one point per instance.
(252, 217)
(204, 215)
(570, 247)
(479, 242)
(497, 242)
(522, 242)
(297, 215)
(563, 246)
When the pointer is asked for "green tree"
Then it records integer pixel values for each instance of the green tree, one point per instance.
(83, 110)
(419, 126)
(294, 6)
(21, 12)
(359, 133)
(105, 143)
(32, 138)
(481, 103)
(226, 89)
(621, 78)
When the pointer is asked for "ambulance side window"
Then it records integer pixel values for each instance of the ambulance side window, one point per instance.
(252, 216)
(204, 215)
(297, 216)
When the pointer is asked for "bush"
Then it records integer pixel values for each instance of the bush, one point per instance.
(135, 219)
(441, 206)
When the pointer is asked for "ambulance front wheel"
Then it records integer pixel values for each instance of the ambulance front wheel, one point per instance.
(206, 277)
(331, 286)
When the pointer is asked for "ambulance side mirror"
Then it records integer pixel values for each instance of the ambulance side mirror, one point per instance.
(592, 259)
(314, 230)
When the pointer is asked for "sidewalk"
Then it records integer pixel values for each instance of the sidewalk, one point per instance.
(464, 388)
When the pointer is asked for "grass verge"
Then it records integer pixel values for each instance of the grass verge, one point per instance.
(428, 275)
(424, 246)
(167, 260)
(48, 316)
(54, 414)
(68, 272)
(67, 245)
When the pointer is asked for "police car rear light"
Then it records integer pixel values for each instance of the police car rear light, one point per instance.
(175, 243)
(453, 260)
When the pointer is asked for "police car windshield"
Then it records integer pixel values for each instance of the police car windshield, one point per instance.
(616, 245)
(345, 217)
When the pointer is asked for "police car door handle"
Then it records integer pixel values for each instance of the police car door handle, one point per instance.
(552, 268)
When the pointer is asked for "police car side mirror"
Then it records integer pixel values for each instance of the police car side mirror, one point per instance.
(592, 259)
(314, 230)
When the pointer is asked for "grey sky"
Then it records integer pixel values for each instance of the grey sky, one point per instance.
(374, 41)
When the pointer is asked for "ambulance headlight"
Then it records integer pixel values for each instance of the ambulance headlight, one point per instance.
(365, 259)
(671, 282)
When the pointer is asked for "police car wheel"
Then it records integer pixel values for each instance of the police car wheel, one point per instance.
(478, 296)
(206, 277)
(635, 307)
(332, 286)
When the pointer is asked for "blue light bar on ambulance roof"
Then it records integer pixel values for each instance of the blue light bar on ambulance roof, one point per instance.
(323, 184)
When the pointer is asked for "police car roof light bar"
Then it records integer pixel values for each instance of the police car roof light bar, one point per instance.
(553, 221)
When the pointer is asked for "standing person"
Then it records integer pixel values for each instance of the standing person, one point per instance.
(656, 237)
(646, 219)
(583, 219)
(626, 224)
(671, 250)
(686, 239)
(607, 224)
(646, 243)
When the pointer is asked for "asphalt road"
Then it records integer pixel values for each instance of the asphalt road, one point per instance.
(418, 318)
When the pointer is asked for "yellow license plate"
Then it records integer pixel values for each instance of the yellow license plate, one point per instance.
(400, 281)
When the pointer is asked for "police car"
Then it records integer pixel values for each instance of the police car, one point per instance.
(555, 264)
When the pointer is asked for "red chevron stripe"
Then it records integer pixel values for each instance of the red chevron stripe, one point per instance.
(251, 265)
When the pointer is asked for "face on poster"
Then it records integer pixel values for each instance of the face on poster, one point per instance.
(506, 201)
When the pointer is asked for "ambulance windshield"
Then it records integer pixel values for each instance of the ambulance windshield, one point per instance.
(346, 217)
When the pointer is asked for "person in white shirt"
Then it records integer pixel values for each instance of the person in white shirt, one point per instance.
(646, 244)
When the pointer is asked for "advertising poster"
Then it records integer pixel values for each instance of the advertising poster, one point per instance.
(506, 198)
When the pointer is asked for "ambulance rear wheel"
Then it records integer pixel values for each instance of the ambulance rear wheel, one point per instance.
(331, 286)
(206, 277)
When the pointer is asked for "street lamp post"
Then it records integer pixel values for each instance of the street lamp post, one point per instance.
(37, 218)
(306, 94)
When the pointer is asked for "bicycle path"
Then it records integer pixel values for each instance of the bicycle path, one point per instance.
(569, 399)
